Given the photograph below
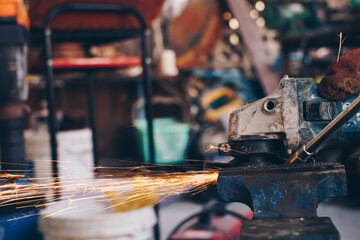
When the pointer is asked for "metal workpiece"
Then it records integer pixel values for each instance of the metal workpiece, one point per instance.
(292, 191)
(309, 228)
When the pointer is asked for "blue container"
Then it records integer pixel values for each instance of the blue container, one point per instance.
(20, 226)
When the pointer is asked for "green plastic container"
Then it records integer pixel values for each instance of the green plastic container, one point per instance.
(171, 140)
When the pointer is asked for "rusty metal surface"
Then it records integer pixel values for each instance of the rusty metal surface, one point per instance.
(194, 33)
(342, 77)
(282, 190)
(310, 228)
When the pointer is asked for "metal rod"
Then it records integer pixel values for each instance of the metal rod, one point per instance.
(307, 150)
(90, 83)
(52, 123)
(146, 63)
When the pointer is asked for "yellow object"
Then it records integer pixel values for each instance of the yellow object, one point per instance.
(213, 115)
(15, 8)
(138, 198)
(318, 78)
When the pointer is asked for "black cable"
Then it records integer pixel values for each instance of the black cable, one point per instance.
(234, 214)
(183, 222)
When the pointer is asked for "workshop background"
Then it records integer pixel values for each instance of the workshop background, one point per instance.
(86, 82)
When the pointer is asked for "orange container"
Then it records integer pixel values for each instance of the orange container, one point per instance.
(15, 8)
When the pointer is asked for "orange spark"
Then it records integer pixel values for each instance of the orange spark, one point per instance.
(144, 188)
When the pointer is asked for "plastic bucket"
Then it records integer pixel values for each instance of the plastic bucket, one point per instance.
(95, 224)
(74, 149)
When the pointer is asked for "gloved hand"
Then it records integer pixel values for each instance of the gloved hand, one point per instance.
(342, 78)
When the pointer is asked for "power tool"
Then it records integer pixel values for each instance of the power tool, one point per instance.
(288, 150)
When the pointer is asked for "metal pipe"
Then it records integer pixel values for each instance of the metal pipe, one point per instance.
(146, 63)
(308, 150)
(91, 114)
(52, 123)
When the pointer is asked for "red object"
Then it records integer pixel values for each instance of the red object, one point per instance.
(96, 62)
(221, 228)
(225, 227)
(84, 63)
(342, 78)
(92, 21)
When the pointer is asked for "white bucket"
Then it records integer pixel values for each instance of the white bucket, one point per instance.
(84, 219)
(95, 224)
(74, 149)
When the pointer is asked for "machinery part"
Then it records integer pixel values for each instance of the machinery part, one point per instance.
(13, 47)
(14, 25)
(12, 145)
(13, 85)
(312, 228)
(342, 78)
(284, 199)
(282, 190)
(352, 164)
(308, 150)
(286, 119)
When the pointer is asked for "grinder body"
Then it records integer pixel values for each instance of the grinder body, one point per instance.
(269, 130)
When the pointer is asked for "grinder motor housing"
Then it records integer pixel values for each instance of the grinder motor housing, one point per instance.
(269, 130)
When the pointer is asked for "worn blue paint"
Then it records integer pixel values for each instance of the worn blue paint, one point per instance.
(348, 133)
(281, 195)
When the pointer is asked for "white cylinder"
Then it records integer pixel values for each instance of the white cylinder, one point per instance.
(168, 63)
(97, 225)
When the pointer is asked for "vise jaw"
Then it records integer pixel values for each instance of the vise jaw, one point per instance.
(284, 193)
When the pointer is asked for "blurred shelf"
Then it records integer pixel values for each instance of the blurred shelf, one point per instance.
(89, 37)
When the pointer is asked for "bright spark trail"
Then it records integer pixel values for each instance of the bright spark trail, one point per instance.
(118, 188)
